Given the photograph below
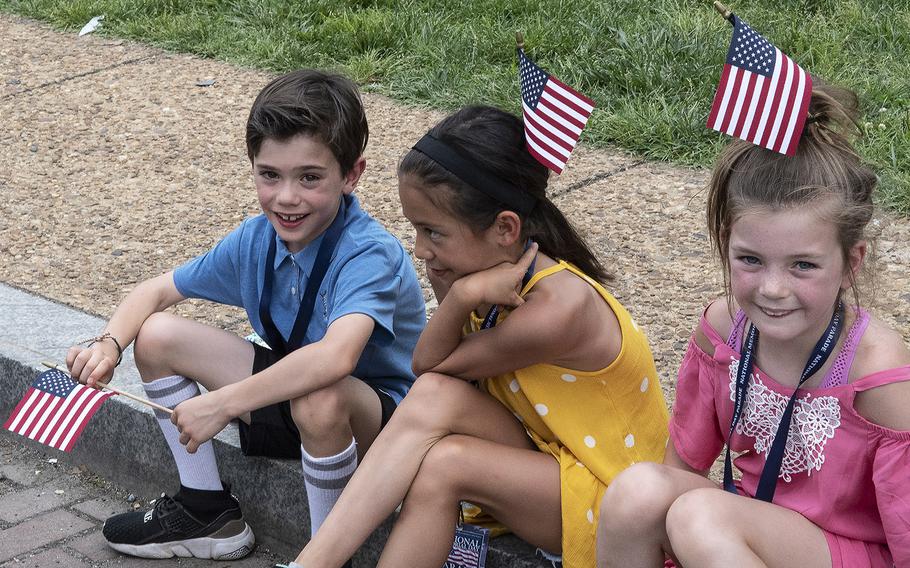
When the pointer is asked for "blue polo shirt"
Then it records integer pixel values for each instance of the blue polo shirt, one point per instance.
(370, 273)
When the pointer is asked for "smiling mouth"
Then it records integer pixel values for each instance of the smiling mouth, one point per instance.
(289, 218)
(776, 313)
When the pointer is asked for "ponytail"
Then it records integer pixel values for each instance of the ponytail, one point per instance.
(549, 228)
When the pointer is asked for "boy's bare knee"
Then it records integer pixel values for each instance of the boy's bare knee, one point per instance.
(638, 498)
(322, 412)
(154, 341)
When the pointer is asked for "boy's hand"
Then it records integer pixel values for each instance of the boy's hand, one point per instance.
(199, 419)
(89, 365)
(500, 284)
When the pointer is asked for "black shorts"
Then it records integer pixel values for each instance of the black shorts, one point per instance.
(271, 431)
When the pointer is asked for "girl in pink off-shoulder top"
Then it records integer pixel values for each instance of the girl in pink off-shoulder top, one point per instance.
(835, 488)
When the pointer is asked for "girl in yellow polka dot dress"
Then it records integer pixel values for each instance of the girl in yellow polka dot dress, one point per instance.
(568, 395)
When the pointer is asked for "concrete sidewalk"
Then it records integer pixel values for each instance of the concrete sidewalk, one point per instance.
(51, 514)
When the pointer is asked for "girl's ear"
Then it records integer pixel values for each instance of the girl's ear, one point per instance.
(855, 257)
(507, 228)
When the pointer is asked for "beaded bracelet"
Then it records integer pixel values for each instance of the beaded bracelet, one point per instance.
(106, 335)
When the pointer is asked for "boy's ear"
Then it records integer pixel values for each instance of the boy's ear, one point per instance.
(507, 228)
(855, 257)
(353, 176)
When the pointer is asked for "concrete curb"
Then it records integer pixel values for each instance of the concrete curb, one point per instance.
(123, 443)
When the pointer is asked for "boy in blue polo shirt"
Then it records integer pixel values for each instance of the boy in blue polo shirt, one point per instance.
(333, 294)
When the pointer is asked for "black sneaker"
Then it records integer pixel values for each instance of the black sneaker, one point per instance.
(169, 529)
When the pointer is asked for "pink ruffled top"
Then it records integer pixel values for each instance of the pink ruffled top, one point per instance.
(845, 474)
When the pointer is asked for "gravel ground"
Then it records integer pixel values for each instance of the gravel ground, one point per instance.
(117, 167)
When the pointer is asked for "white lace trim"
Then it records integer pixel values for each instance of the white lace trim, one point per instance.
(815, 421)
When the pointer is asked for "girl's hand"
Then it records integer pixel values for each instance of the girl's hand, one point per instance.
(500, 284)
(88, 365)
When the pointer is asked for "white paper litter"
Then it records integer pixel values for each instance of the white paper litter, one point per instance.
(91, 26)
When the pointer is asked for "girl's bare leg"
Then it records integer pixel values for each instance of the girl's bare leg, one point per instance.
(435, 407)
(519, 487)
(632, 531)
(711, 527)
(651, 510)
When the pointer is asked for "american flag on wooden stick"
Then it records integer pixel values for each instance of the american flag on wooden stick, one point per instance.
(763, 96)
(554, 114)
(55, 410)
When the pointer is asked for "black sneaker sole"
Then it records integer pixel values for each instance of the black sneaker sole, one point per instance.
(232, 547)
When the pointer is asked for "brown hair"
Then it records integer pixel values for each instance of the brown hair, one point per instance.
(825, 166)
(494, 141)
(314, 103)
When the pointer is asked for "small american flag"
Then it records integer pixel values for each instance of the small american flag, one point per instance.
(463, 557)
(763, 95)
(554, 114)
(55, 410)
(469, 549)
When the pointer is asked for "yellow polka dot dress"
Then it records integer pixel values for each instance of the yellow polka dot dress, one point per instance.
(596, 423)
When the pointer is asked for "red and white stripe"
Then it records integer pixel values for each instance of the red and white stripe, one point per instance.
(767, 111)
(553, 128)
(55, 421)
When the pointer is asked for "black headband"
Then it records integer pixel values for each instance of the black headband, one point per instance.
(501, 190)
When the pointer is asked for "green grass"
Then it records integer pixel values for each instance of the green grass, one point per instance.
(652, 67)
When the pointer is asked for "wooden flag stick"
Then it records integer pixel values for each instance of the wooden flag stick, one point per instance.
(722, 10)
(112, 389)
(520, 40)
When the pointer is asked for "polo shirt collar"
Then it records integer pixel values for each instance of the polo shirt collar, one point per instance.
(305, 258)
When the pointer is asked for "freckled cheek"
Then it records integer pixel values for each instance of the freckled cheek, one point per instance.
(742, 283)
(822, 295)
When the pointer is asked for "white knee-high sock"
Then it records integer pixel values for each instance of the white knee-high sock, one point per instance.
(199, 470)
(325, 479)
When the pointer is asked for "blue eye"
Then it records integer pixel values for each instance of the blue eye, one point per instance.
(433, 235)
(269, 175)
(309, 178)
(750, 260)
(804, 265)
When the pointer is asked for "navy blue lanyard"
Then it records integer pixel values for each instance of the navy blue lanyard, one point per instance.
(492, 315)
(770, 472)
(305, 311)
